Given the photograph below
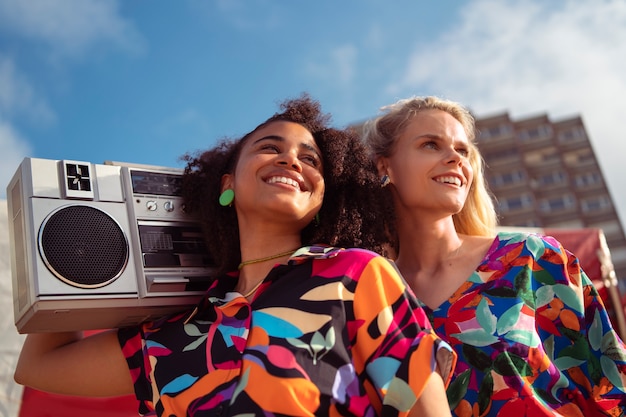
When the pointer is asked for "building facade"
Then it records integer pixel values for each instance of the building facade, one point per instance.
(545, 174)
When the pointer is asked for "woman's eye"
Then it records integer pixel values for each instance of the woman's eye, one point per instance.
(463, 152)
(311, 160)
(270, 147)
(430, 145)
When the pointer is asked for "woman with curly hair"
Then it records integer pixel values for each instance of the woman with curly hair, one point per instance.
(293, 324)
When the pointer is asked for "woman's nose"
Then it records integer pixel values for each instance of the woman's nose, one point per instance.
(454, 157)
(289, 159)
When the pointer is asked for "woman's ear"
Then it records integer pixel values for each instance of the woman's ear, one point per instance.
(227, 182)
(381, 166)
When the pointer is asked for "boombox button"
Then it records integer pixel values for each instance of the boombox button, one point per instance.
(151, 205)
(168, 206)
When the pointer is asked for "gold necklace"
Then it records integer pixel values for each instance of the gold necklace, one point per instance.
(256, 287)
(267, 258)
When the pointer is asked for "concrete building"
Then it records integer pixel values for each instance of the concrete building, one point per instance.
(544, 173)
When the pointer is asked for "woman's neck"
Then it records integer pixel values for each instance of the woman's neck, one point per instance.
(427, 245)
(260, 239)
(261, 251)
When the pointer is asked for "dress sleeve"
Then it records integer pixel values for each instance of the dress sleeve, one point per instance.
(575, 329)
(132, 342)
(395, 346)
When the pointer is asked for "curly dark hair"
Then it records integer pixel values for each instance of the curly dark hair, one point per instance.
(352, 191)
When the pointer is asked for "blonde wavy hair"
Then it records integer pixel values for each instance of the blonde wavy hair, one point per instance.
(478, 216)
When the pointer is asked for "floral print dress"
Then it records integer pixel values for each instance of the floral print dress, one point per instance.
(532, 336)
(333, 333)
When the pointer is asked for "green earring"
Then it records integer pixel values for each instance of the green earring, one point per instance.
(227, 197)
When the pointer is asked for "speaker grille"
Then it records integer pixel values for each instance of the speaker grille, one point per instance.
(83, 246)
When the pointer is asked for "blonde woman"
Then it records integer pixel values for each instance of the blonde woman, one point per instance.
(531, 333)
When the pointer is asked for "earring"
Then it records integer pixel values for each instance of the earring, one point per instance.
(317, 218)
(227, 197)
(384, 181)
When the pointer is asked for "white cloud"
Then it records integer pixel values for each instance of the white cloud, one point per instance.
(529, 57)
(69, 27)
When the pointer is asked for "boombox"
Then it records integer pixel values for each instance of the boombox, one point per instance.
(98, 246)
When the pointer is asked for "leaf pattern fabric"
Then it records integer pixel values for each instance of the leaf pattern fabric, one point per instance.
(335, 332)
(532, 336)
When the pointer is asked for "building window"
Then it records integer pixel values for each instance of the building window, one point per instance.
(509, 204)
(580, 157)
(504, 154)
(495, 132)
(552, 179)
(557, 203)
(595, 204)
(535, 133)
(574, 134)
(586, 157)
(588, 179)
(544, 156)
(501, 179)
(530, 223)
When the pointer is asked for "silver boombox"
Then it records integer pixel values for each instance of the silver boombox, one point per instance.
(98, 246)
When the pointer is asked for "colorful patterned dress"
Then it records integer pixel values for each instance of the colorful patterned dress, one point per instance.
(532, 336)
(333, 333)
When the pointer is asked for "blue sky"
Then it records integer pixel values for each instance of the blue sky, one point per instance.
(146, 81)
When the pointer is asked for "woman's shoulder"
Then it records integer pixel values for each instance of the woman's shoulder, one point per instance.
(352, 258)
(534, 241)
(361, 252)
(364, 256)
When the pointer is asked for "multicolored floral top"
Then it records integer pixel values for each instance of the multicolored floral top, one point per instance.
(334, 332)
(532, 336)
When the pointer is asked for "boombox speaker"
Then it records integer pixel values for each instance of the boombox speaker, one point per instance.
(95, 259)
(97, 246)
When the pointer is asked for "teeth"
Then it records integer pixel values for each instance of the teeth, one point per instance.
(284, 180)
(449, 180)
